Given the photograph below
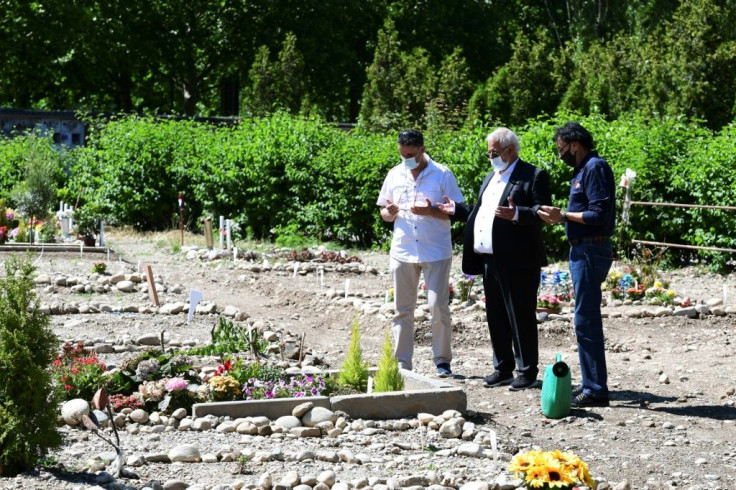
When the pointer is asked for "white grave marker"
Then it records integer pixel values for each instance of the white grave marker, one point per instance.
(222, 231)
(194, 298)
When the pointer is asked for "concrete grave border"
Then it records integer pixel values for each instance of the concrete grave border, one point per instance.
(421, 394)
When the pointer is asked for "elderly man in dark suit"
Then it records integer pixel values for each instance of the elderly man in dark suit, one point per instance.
(503, 241)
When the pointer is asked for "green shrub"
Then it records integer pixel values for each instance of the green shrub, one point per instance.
(297, 179)
(354, 372)
(28, 401)
(388, 377)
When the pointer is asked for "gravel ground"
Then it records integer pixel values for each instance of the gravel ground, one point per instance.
(670, 423)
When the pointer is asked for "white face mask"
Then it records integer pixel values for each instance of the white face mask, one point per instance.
(498, 164)
(410, 163)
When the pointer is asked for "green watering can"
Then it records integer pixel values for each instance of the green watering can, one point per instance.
(556, 390)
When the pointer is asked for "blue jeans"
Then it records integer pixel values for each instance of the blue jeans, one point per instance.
(589, 265)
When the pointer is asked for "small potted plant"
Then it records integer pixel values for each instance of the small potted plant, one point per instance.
(85, 222)
(548, 303)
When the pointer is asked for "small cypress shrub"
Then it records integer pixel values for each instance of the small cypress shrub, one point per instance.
(28, 400)
(388, 377)
(354, 372)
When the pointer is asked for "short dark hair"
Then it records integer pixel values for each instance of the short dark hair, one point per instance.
(411, 137)
(573, 131)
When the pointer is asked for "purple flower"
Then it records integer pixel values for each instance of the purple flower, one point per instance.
(269, 394)
(315, 392)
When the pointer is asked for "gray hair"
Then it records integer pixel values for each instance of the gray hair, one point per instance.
(505, 137)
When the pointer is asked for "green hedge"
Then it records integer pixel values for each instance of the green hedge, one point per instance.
(288, 175)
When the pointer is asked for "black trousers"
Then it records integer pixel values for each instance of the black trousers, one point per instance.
(511, 303)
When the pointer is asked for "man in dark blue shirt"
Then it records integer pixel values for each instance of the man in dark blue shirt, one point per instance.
(589, 221)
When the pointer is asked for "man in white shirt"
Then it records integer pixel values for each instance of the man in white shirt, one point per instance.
(503, 241)
(421, 244)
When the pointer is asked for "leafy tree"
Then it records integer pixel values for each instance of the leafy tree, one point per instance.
(41, 168)
(28, 401)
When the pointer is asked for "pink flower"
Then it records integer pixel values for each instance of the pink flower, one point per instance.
(175, 384)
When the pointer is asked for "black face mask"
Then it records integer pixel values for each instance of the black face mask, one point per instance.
(569, 159)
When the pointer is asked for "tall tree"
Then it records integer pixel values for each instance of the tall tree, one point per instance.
(195, 44)
(449, 107)
(382, 103)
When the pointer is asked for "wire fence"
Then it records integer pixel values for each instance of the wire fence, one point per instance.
(627, 206)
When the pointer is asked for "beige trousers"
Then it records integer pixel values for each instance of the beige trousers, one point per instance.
(406, 281)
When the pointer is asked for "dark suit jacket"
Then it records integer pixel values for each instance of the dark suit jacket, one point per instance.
(516, 244)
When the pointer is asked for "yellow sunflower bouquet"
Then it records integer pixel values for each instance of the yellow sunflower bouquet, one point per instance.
(551, 470)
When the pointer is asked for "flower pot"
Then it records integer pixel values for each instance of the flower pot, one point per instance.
(549, 310)
(89, 241)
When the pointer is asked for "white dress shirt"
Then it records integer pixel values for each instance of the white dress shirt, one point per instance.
(418, 238)
(483, 230)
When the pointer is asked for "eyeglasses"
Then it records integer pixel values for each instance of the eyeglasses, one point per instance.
(562, 150)
(494, 153)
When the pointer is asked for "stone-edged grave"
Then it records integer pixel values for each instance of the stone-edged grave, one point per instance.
(420, 394)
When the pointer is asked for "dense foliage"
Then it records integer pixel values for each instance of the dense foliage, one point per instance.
(384, 62)
(281, 175)
(28, 401)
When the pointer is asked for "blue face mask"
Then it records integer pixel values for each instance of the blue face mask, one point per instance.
(410, 163)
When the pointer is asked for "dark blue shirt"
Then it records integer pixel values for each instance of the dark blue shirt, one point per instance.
(592, 191)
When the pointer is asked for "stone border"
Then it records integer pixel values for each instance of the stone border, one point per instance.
(422, 394)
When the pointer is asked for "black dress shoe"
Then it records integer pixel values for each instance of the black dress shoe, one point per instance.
(522, 382)
(497, 379)
(583, 400)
